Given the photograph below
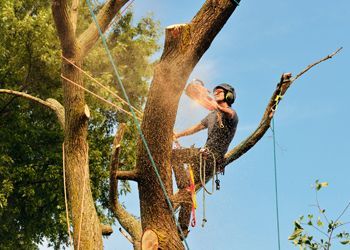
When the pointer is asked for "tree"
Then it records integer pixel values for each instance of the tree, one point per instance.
(184, 45)
(329, 229)
(31, 188)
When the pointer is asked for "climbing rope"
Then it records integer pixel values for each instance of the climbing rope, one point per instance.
(99, 83)
(202, 178)
(276, 184)
(136, 121)
(96, 95)
(236, 2)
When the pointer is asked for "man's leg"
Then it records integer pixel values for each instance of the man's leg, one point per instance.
(179, 158)
(183, 182)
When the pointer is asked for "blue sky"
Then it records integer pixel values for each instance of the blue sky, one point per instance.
(262, 40)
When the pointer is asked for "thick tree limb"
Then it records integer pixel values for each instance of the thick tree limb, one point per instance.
(74, 14)
(264, 125)
(126, 220)
(89, 37)
(64, 25)
(49, 103)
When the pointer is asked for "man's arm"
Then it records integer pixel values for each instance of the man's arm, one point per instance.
(189, 131)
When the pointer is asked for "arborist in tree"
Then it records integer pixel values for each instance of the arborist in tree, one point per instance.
(221, 124)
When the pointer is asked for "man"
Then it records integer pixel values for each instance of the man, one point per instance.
(221, 124)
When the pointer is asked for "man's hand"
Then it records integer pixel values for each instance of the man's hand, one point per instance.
(175, 136)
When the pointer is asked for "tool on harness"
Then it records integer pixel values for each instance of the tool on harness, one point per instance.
(217, 182)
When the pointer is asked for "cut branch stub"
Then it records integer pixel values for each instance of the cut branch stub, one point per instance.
(126, 220)
(177, 39)
(106, 230)
(149, 240)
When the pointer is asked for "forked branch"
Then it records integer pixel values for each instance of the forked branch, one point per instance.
(126, 220)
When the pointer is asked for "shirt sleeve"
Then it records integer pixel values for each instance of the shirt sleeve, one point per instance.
(204, 122)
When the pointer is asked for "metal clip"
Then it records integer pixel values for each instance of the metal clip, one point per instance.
(217, 182)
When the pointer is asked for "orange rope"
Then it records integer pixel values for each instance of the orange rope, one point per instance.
(99, 83)
(99, 97)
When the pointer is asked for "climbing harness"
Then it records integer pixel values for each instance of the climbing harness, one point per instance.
(136, 122)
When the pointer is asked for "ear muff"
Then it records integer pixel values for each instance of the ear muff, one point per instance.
(229, 97)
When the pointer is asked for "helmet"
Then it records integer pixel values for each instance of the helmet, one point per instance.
(229, 91)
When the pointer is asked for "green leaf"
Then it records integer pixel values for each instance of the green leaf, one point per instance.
(319, 222)
(321, 185)
(295, 234)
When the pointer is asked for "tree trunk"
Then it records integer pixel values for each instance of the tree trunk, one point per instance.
(87, 230)
(159, 116)
(86, 224)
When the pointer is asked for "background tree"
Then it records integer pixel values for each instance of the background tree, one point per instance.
(31, 188)
(325, 230)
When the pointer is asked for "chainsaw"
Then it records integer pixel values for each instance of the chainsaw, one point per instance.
(197, 92)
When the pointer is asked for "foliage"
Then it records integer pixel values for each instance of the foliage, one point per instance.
(31, 184)
(322, 224)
